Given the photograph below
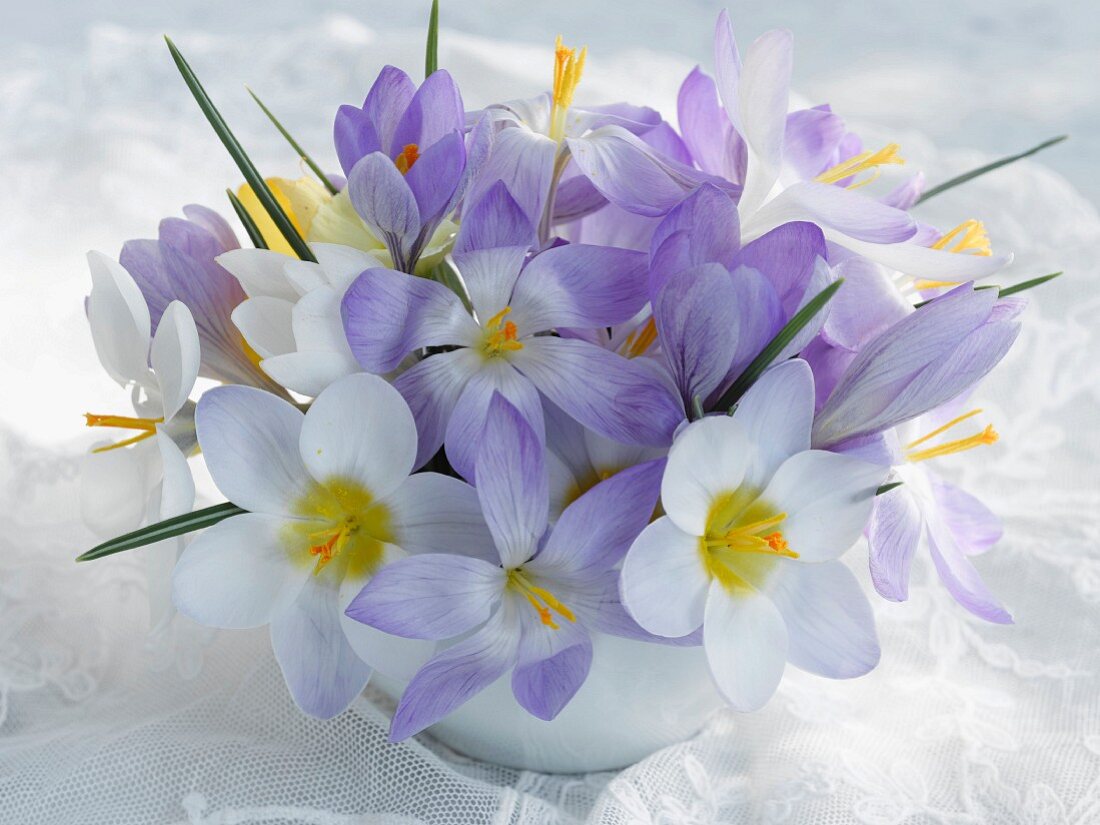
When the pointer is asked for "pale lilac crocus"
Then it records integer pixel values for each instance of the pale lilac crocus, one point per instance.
(503, 346)
(749, 548)
(330, 502)
(405, 157)
(181, 265)
(530, 610)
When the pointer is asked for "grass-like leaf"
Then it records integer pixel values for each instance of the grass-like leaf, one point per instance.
(886, 488)
(169, 528)
(297, 147)
(1034, 282)
(244, 163)
(989, 167)
(431, 51)
(250, 227)
(782, 338)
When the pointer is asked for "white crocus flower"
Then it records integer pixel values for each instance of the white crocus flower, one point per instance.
(748, 549)
(291, 317)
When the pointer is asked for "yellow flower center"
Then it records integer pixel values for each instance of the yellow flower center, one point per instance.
(568, 67)
(501, 335)
(341, 523)
(640, 340)
(742, 540)
(863, 162)
(146, 427)
(405, 159)
(969, 237)
(544, 602)
(958, 445)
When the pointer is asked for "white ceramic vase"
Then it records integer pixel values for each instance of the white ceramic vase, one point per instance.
(637, 699)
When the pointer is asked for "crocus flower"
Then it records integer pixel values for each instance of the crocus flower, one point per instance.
(927, 510)
(748, 549)
(531, 609)
(180, 266)
(405, 157)
(502, 347)
(291, 317)
(331, 502)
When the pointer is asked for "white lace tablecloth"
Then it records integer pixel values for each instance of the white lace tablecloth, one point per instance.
(964, 722)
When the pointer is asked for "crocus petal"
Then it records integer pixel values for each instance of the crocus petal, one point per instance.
(489, 275)
(551, 664)
(711, 234)
(308, 373)
(830, 627)
(892, 537)
(388, 314)
(974, 526)
(787, 256)
(436, 175)
(580, 286)
(260, 272)
(709, 458)
(762, 93)
(175, 357)
(494, 220)
(358, 132)
(360, 429)
(576, 198)
(745, 639)
(924, 262)
(906, 194)
(777, 413)
(384, 201)
(512, 482)
(213, 223)
(524, 161)
(434, 112)
(727, 63)
(322, 671)
(119, 320)
(597, 529)
(238, 573)
(249, 439)
(266, 323)
(114, 487)
(457, 674)
(695, 312)
(716, 148)
(759, 316)
(431, 596)
(961, 579)
(432, 388)
(664, 583)
(811, 141)
(615, 397)
(852, 220)
(867, 304)
(177, 487)
(827, 499)
(433, 513)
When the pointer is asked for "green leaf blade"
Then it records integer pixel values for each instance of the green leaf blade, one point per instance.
(1029, 284)
(431, 50)
(989, 167)
(169, 528)
(297, 147)
(240, 157)
(886, 488)
(254, 233)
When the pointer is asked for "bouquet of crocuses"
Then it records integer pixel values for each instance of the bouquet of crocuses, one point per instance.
(536, 372)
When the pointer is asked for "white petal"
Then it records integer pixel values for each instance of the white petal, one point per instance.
(924, 262)
(828, 618)
(317, 323)
(175, 357)
(260, 271)
(238, 573)
(266, 324)
(827, 498)
(115, 487)
(433, 513)
(119, 320)
(360, 428)
(777, 413)
(308, 373)
(763, 92)
(177, 491)
(249, 439)
(664, 584)
(746, 644)
(707, 459)
(343, 264)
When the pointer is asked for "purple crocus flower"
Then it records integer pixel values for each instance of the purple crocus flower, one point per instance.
(531, 614)
(405, 157)
(180, 266)
(504, 346)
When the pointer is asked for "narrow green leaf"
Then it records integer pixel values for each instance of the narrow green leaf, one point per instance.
(696, 408)
(250, 227)
(989, 167)
(1034, 282)
(169, 528)
(886, 488)
(445, 273)
(297, 147)
(767, 355)
(244, 163)
(431, 52)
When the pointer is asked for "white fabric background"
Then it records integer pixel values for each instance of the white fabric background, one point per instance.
(963, 723)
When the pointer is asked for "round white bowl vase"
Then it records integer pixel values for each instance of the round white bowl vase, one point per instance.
(637, 699)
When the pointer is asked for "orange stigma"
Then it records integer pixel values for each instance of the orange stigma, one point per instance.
(640, 339)
(407, 157)
(502, 334)
(544, 602)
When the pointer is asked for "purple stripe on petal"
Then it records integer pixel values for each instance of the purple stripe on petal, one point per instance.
(961, 579)
(381, 196)
(973, 525)
(432, 388)
(708, 133)
(787, 256)
(435, 177)
(388, 99)
(496, 220)
(811, 140)
(708, 220)
(893, 534)
(434, 112)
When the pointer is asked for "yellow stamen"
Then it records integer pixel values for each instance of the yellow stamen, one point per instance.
(568, 67)
(863, 162)
(502, 334)
(640, 339)
(339, 523)
(147, 428)
(329, 549)
(541, 599)
(405, 159)
(986, 436)
(974, 239)
(745, 538)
